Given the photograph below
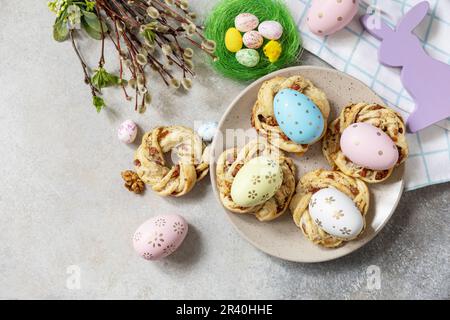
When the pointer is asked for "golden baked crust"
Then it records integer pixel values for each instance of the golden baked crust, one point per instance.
(263, 117)
(312, 182)
(232, 160)
(379, 116)
(192, 166)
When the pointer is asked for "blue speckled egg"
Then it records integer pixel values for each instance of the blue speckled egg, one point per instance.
(298, 117)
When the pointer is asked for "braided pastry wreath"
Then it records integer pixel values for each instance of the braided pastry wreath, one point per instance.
(231, 161)
(263, 117)
(311, 183)
(192, 166)
(379, 116)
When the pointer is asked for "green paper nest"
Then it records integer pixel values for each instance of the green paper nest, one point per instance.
(222, 18)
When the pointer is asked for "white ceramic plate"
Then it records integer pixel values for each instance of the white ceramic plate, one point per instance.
(281, 238)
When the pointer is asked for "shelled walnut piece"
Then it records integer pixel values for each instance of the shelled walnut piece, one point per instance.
(132, 182)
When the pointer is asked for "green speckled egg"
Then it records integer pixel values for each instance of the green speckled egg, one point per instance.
(248, 57)
(256, 182)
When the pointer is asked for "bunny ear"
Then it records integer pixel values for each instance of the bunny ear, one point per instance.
(375, 26)
(414, 17)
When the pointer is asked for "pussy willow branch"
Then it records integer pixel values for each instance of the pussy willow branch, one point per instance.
(168, 24)
(102, 56)
(87, 79)
(119, 49)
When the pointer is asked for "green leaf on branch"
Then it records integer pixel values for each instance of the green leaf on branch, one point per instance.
(60, 30)
(148, 32)
(98, 103)
(93, 22)
(90, 5)
(94, 34)
(102, 79)
(149, 35)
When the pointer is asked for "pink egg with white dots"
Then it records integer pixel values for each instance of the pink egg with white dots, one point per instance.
(127, 131)
(327, 17)
(369, 147)
(160, 236)
(253, 39)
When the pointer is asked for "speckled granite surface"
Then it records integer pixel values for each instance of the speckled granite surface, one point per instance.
(62, 203)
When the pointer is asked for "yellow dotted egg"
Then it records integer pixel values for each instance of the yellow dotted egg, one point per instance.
(273, 50)
(233, 40)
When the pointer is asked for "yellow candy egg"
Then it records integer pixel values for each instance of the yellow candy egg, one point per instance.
(273, 50)
(233, 40)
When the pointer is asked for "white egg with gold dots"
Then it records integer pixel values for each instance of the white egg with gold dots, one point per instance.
(336, 213)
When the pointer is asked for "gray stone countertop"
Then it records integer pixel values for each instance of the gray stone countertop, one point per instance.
(63, 207)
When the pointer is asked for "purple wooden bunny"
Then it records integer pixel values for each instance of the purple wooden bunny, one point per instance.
(426, 79)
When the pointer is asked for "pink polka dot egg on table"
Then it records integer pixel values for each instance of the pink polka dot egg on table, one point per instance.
(160, 236)
(369, 147)
(328, 17)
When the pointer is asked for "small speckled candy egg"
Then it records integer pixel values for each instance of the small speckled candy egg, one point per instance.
(248, 57)
(256, 182)
(253, 39)
(160, 236)
(369, 147)
(127, 131)
(271, 30)
(328, 17)
(245, 22)
(272, 50)
(207, 130)
(233, 40)
(335, 213)
(298, 117)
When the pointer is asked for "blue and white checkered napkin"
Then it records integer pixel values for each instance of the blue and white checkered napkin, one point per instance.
(354, 51)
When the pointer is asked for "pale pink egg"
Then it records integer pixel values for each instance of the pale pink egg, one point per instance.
(253, 39)
(271, 30)
(127, 131)
(245, 22)
(369, 147)
(160, 236)
(327, 17)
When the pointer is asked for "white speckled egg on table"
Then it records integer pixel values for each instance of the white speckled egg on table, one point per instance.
(328, 17)
(160, 236)
(248, 57)
(369, 147)
(207, 130)
(127, 131)
(245, 22)
(271, 30)
(256, 182)
(298, 117)
(336, 213)
(253, 39)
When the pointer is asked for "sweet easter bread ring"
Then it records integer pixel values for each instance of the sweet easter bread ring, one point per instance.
(232, 160)
(193, 164)
(313, 182)
(379, 116)
(263, 117)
